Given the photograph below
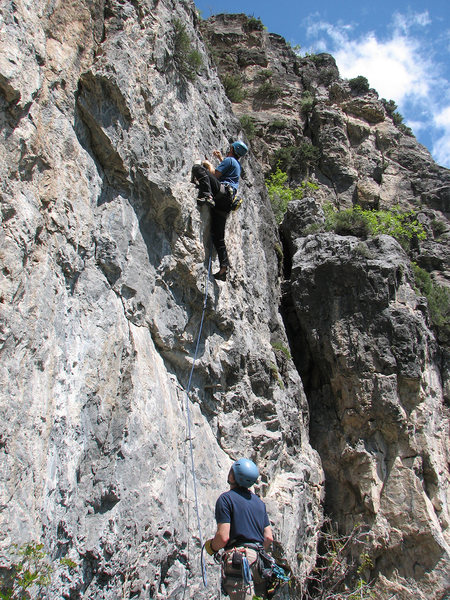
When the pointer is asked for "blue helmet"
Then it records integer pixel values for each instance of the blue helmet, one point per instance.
(240, 149)
(245, 472)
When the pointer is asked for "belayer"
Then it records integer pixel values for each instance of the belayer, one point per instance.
(217, 188)
(245, 534)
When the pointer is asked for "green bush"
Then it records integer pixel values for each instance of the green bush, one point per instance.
(307, 102)
(389, 106)
(265, 74)
(438, 298)
(248, 125)
(397, 118)
(30, 574)
(187, 59)
(278, 124)
(268, 92)
(253, 24)
(296, 158)
(359, 84)
(401, 225)
(281, 194)
(234, 88)
(307, 154)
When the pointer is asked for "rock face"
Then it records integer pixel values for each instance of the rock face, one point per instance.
(371, 371)
(104, 264)
(104, 284)
(375, 377)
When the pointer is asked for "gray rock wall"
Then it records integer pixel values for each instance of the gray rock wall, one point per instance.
(104, 259)
(373, 375)
(104, 263)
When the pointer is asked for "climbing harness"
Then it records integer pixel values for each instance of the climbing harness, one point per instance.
(188, 418)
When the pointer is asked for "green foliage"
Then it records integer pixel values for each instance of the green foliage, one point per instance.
(402, 225)
(187, 59)
(281, 194)
(397, 118)
(389, 106)
(307, 154)
(253, 24)
(296, 158)
(248, 125)
(307, 102)
(282, 348)
(438, 298)
(268, 92)
(278, 124)
(265, 74)
(284, 158)
(359, 84)
(234, 88)
(30, 574)
(275, 374)
(439, 228)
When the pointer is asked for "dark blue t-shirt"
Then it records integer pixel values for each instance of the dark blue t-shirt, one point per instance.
(246, 514)
(230, 170)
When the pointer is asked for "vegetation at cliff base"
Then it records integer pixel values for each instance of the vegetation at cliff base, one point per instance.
(343, 567)
(30, 572)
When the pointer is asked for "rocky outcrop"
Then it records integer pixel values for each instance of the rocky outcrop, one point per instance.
(372, 373)
(104, 263)
(317, 127)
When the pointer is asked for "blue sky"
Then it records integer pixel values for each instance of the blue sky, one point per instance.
(403, 48)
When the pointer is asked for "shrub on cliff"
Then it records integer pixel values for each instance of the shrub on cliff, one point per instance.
(187, 60)
(30, 573)
(253, 24)
(359, 84)
(401, 225)
(299, 158)
(281, 194)
(234, 88)
(438, 298)
(248, 125)
(268, 92)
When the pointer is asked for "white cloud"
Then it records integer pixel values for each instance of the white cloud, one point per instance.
(441, 147)
(405, 22)
(400, 66)
(392, 67)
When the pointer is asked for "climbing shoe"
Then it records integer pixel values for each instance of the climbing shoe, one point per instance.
(220, 276)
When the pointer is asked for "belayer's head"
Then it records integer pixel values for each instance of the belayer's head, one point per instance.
(239, 149)
(243, 472)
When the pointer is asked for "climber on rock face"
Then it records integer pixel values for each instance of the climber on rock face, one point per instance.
(217, 188)
(243, 530)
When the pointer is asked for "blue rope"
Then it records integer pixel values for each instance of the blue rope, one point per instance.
(246, 572)
(188, 413)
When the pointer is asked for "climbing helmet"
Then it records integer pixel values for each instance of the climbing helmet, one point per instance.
(245, 472)
(240, 149)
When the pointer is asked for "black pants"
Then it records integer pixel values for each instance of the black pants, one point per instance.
(209, 185)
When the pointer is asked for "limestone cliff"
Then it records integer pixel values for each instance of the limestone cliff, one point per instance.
(105, 256)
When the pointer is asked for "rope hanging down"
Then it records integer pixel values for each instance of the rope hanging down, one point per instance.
(188, 416)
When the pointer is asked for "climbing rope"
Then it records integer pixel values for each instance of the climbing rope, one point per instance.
(188, 418)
